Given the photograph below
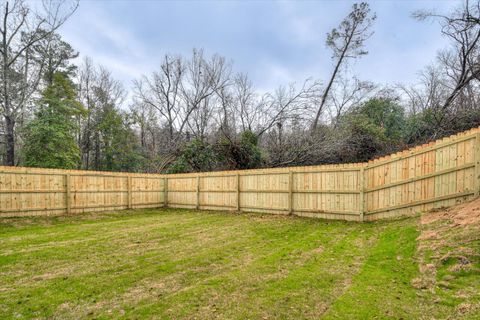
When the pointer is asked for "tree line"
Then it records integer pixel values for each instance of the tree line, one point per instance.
(196, 113)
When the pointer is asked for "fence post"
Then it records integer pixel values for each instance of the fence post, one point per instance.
(238, 192)
(129, 192)
(197, 206)
(476, 182)
(67, 194)
(165, 192)
(290, 192)
(361, 183)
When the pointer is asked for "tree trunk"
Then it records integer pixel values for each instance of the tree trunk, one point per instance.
(327, 89)
(10, 140)
(97, 152)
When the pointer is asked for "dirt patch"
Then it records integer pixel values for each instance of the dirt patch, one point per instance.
(428, 235)
(465, 309)
(318, 250)
(450, 227)
(445, 251)
(428, 277)
(460, 215)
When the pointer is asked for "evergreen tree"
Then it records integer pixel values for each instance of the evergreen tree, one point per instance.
(55, 55)
(50, 136)
(241, 153)
(375, 127)
(196, 156)
(117, 141)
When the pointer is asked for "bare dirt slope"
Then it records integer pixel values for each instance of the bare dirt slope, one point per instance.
(449, 258)
(463, 215)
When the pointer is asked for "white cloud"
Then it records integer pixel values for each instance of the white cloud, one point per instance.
(97, 35)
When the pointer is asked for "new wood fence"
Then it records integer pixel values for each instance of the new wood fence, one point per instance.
(437, 174)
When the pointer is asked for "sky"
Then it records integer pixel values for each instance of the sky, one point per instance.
(274, 42)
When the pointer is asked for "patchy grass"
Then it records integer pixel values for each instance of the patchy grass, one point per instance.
(178, 264)
(449, 259)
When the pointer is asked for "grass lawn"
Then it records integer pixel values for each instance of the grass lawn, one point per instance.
(181, 264)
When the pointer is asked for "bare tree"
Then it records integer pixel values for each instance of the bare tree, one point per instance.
(461, 63)
(201, 121)
(347, 93)
(162, 91)
(146, 118)
(85, 82)
(20, 29)
(244, 97)
(286, 103)
(204, 79)
(427, 94)
(184, 92)
(98, 91)
(226, 115)
(288, 145)
(347, 42)
(260, 113)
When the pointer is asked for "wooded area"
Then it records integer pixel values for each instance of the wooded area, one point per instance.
(196, 113)
(434, 175)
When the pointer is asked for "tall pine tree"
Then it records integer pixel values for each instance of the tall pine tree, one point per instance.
(50, 137)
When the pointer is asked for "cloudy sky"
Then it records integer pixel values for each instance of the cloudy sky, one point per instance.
(274, 42)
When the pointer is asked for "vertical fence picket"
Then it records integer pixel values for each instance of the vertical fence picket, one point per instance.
(290, 192)
(476, 181)
(197, 206)
(68, 189)
(129, 192)
(361, 186)
(238, 191)
(165, 192)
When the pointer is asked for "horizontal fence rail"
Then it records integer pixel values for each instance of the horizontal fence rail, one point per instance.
(437, 174)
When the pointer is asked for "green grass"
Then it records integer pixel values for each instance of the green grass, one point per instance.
(174, 264)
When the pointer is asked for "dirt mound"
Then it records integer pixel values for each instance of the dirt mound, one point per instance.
(460, 215)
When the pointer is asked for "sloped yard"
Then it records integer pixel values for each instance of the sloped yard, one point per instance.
(200, 265)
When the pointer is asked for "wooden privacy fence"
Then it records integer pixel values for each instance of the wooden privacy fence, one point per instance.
(437, 174)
